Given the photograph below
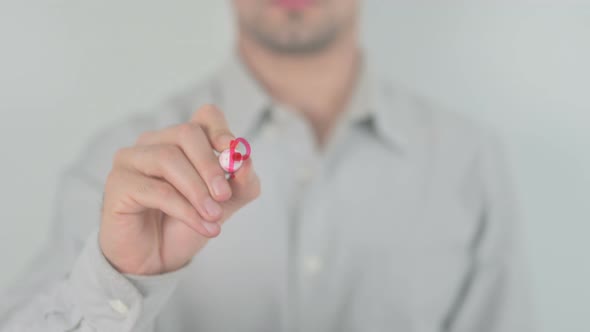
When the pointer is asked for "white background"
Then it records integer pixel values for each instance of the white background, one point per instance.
(69, 68)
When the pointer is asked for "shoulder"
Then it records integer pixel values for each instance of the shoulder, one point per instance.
(432, 125)
(456, 150)
(466, 147)
(461, 156)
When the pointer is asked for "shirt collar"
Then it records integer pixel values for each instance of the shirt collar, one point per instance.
(391, 109)
(387, 108)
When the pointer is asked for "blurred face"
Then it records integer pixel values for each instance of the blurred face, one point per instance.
(296, 26)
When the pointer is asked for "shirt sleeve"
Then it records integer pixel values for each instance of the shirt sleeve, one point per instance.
(495, 296)
(71, 286)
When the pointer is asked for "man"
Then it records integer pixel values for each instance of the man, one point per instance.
(377, 212)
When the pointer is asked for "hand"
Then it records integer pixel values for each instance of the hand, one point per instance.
(167, 195)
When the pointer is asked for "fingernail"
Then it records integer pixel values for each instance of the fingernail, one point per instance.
(220, 187)
(212, 208)
(224, 140)
(212, 228)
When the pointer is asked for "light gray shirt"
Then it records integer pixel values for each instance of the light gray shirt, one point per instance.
(405, 221)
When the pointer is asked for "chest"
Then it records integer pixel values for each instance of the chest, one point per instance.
(362, 237)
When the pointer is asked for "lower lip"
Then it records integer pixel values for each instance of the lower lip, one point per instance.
(293, 4)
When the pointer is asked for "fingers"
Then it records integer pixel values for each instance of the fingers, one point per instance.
(183, 157)
(213, 122)
(153, 193)
(170, 163)
(192, 140)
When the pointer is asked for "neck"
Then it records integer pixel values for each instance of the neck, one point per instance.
(317, 85)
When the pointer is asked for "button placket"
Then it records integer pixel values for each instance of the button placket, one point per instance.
(302, 157)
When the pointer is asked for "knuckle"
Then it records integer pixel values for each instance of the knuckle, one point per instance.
(187, 131)
(163, 190)
(111, 180)
(120, 156)
(144, 188)
(219, 134)
(205, 112)
(208, 109)
(116, 181)
(168, 153)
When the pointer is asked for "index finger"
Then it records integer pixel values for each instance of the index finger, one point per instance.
(213, 122)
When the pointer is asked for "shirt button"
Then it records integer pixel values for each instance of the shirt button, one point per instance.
(119, 306)
(312, 265)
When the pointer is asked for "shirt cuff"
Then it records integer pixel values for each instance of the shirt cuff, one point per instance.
(110, 301)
